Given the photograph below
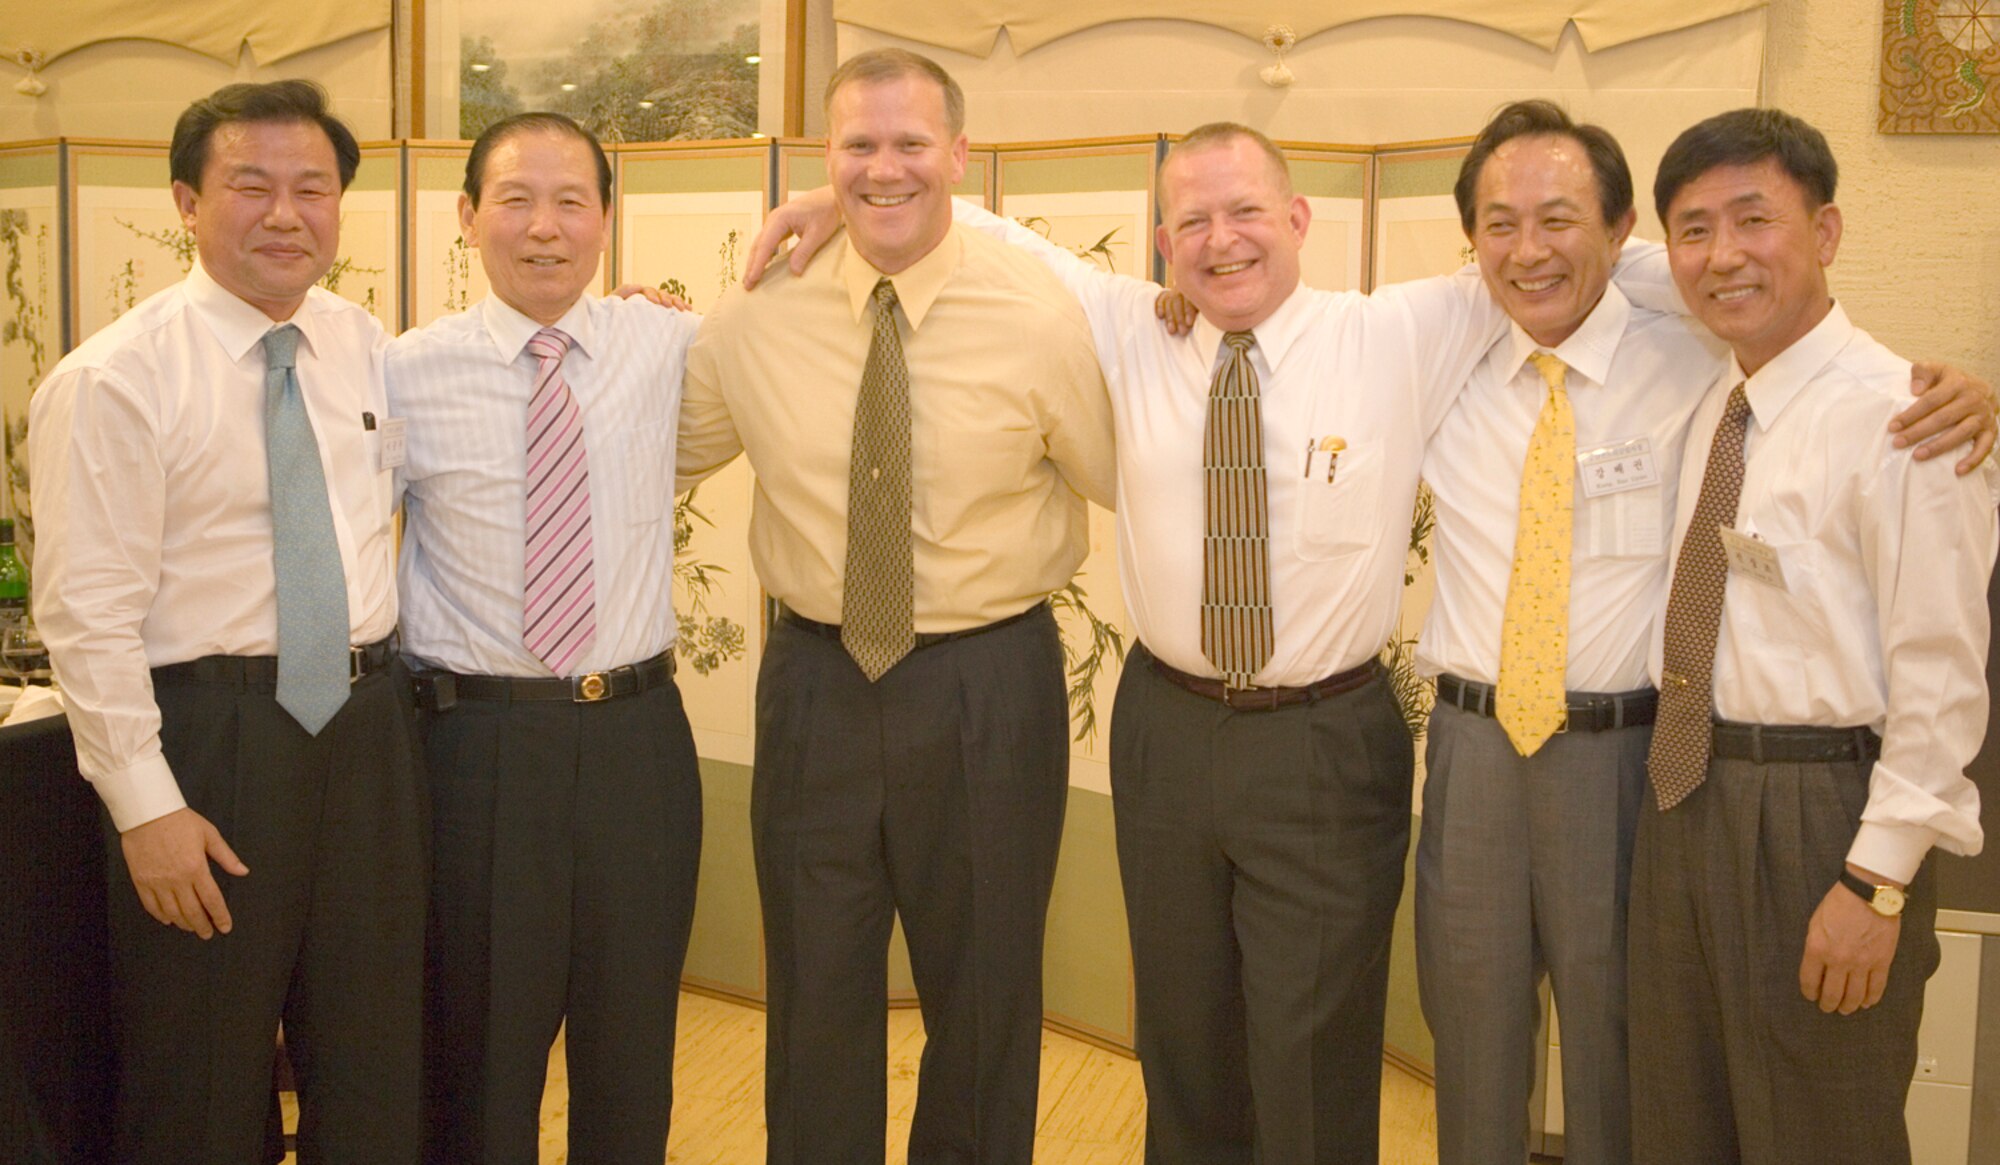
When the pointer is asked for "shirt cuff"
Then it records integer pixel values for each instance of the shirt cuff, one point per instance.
(1893, 851)
(142, 791)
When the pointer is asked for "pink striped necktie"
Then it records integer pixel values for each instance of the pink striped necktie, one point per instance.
(558, 604)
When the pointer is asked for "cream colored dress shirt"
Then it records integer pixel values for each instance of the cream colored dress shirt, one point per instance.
(1882, 617)
(1009, 426)
(153, 509)
(463, 385)
(1635, 378)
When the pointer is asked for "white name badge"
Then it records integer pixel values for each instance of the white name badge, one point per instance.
(1610, 469)
(1753, 558)
(395, 442)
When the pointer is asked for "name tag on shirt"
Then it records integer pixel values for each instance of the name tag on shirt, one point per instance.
(1753, 558)
(1610, 469)
(395, 443)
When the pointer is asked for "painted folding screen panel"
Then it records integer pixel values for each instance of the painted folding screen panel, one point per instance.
(1334, 183)
(444, 274)
(126, 238)
(686, 215)
(368, 269)
(1097, 200)
(31, 316)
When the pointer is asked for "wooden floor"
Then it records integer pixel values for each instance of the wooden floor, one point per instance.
(1093, 1106)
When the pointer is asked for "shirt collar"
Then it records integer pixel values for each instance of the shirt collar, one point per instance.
(1588, 350)
(235, 323)
(511, 330)
(1274, 335)
(1779, 382)
(917, 286)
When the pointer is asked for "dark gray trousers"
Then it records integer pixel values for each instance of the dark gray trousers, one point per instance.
(937, 794)
(568, 837)
(328, 936)
(1262, 858)
(1523, 869)
(1730, 1063)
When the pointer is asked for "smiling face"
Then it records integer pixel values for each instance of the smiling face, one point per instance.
(1544, 247)
(1230, 231)
(1749, 253)
(266, 220)
(892, 160)
(541, 224)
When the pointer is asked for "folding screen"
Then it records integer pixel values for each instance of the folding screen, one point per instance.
(368, 269)
(31, 317)
(1334, 181)
(443, 275)
(126, 238)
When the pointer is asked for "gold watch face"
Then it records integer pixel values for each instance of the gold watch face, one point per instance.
(1888, 901)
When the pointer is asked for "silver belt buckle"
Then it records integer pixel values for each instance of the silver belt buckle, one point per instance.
(589, 688)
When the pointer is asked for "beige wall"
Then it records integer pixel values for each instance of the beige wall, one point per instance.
(1919, 266)
(136, 88)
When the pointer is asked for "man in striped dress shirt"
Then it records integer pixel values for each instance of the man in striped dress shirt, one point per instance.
(536, 579)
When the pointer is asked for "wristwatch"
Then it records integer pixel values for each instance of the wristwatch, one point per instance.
(1886, 901)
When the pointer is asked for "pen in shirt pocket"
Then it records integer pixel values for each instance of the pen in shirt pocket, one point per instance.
(1332, 447)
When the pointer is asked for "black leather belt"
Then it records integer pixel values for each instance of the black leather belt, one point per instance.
(1588, 711)
(260, 672)
(439, 690)
(1793, 743)
(1267, 699)
(924, 638)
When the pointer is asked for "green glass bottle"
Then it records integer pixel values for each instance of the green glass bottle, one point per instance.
(13, 579)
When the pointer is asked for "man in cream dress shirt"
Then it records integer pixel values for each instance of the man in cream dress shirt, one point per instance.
(933, 788)
(565, 790)
(172, 610)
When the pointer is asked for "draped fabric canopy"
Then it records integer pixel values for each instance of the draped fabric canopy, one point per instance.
(48, 29)
(970, 26)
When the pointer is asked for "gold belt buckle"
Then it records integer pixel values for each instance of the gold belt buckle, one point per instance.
(356, 658)
(588, 689)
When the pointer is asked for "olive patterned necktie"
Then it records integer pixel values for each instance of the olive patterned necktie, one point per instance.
(877, 620)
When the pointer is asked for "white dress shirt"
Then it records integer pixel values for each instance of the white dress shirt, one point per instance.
(1635, 377)
(463, 385)
(153, 509)
(1882, 617)
(1377, 371)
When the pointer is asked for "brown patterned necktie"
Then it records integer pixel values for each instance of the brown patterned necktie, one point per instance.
(1236, 633)
(1678, 761)
(877, 621)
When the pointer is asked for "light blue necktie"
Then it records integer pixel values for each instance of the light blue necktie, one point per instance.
(312, 589)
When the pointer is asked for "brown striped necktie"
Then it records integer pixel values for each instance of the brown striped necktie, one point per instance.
(1236, 633)
(877, 621)
(1678, 760)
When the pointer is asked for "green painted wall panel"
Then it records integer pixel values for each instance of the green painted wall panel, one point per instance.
(122, 170)
(378, 173)
(440, 173)
(692, 175)
(1414, 179)
(1323, 179)
(1078, 174)
(727, 945)
(26, 170)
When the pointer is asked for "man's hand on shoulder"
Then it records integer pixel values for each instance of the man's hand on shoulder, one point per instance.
(168, 859)
(1848, 950)
(1953, 409)
(653, 295)
(1175, 311)
(812, 218)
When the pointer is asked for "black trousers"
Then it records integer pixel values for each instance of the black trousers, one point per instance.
(328, 936)
(937, 794)
(1262, 856)
(568, 837)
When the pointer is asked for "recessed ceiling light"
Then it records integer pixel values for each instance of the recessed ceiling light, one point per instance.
(569, 86)
(480, 67)
(646, 104)
(754, 59)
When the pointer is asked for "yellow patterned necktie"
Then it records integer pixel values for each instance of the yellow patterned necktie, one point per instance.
(1534, 640)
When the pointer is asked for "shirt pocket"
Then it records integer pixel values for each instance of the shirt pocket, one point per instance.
(960, 476)
(1337, 518)
(1628, 524)
(1791, 618)
(644, 466)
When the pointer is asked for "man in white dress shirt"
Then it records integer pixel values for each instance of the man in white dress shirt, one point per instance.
(1821, 667)
(536, 575)
(214, 579)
